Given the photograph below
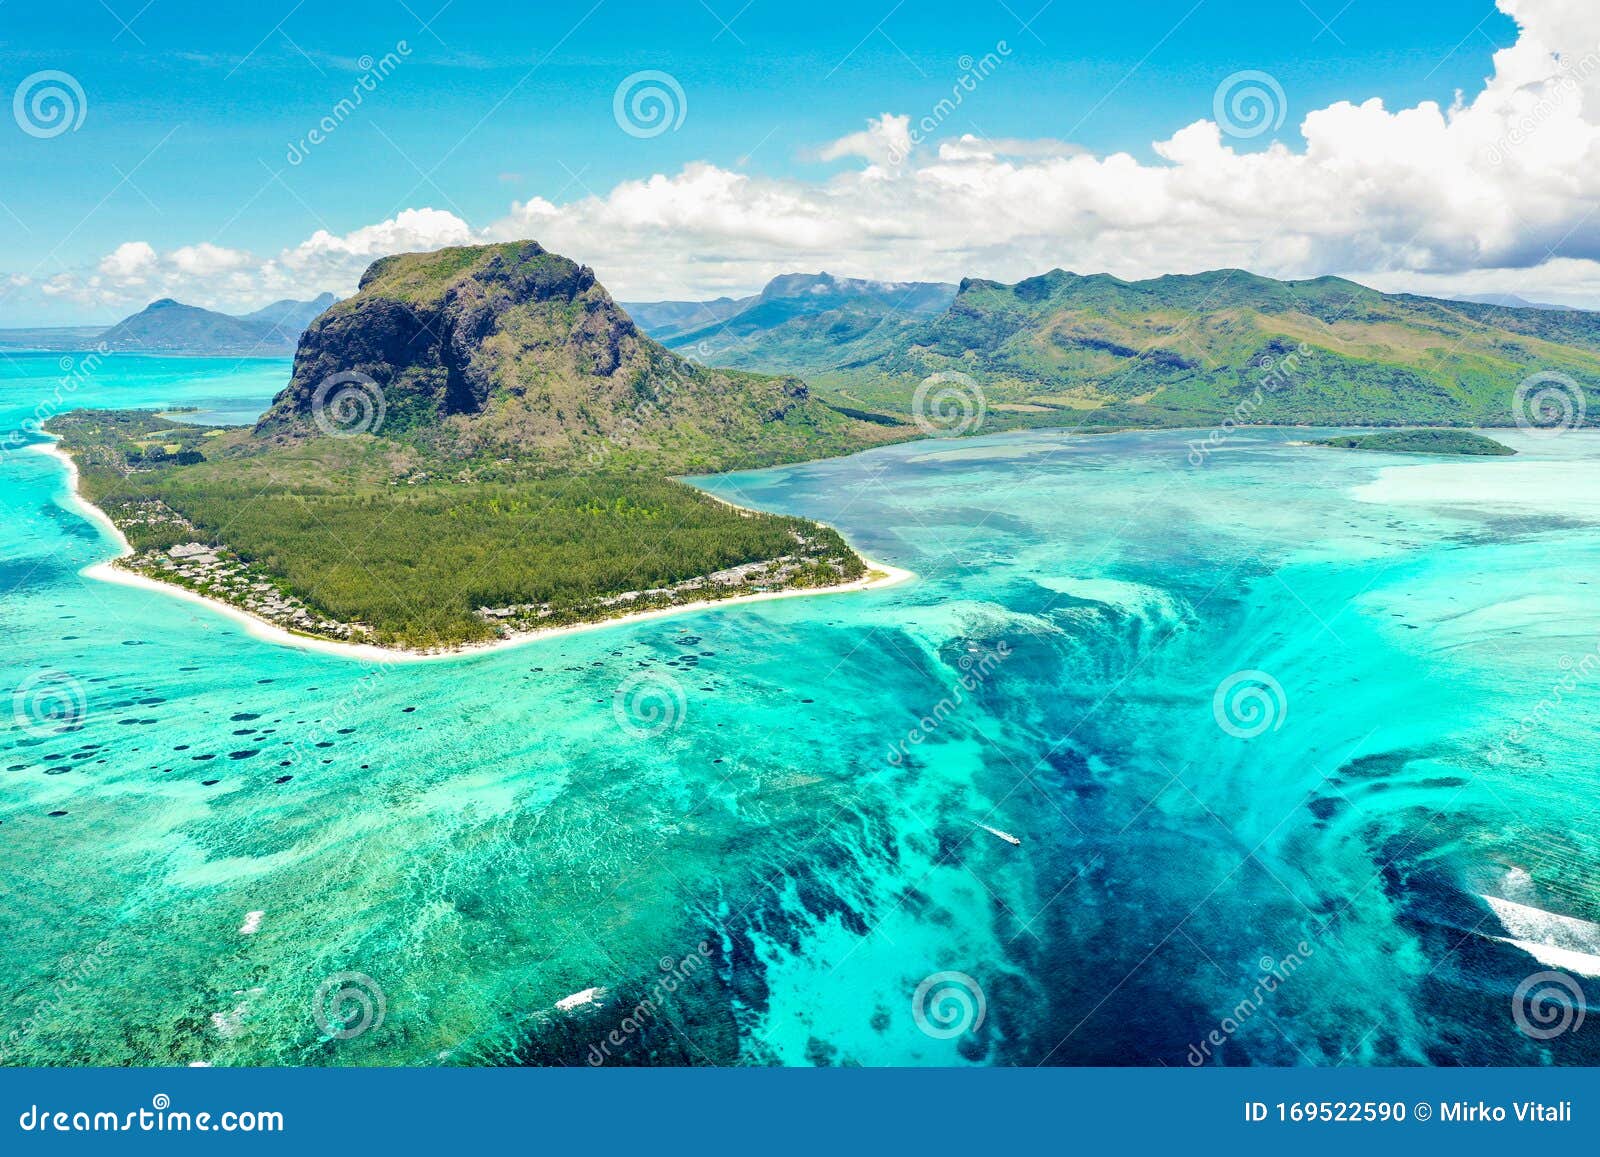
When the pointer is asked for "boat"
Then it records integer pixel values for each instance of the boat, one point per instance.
(1014, 841)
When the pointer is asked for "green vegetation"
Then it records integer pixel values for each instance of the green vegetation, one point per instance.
(1064, 349)
(1422, 442)
(799, 322)
(508, 352)
(479, 442)
(416, 563)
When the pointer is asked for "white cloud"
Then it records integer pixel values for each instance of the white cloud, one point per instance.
(968, 147)
(206, 274)
(129, 262)
(205, 259)
(411, 229)
(1426, 197)
(885, 140)
(1498, 192)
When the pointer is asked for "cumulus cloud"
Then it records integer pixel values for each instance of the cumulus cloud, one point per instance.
(1489, 190)
(129, 262)
(969, 147)
(233, 279)
(1494, 193)
(885, 140)
(206, 259)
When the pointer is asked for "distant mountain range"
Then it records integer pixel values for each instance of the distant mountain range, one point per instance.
(1057, 349)
(1509, 299)
(168, 326)
(1067, 349)
(797, 322)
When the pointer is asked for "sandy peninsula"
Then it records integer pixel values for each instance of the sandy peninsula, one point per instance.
(878, 576)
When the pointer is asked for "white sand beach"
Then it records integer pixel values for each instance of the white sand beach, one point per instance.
(878, 576)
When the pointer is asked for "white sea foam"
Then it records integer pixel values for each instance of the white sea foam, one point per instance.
(1564, 942)
(579, 999)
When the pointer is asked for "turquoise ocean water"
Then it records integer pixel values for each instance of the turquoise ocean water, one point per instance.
(1299, 744)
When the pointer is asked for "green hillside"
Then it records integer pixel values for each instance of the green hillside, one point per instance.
(798, 322)
(479, 442)
(1195, 350)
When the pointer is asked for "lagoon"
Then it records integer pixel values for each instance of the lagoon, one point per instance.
(1298, 744)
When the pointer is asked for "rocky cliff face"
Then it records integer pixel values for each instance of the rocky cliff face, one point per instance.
(511, 349)
(421, 327)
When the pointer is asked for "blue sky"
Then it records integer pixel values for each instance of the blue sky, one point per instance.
(191, 109)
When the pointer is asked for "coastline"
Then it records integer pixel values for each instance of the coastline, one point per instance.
(878, 576)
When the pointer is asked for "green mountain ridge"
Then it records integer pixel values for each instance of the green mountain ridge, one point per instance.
(1197, 349)
(799, 321)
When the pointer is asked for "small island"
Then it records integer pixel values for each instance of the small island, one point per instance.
(1422, 442)
(476, 448)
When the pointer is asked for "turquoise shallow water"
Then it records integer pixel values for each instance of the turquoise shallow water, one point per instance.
(766, 849)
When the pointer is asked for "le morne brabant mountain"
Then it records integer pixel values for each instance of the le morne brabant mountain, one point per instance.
(1065, 349)
(479, 441)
